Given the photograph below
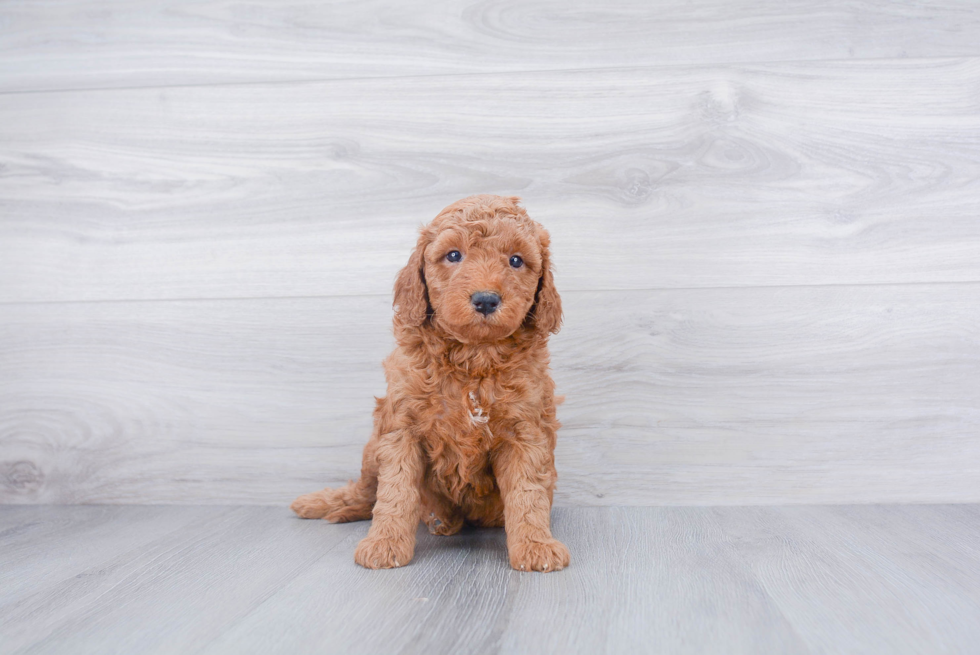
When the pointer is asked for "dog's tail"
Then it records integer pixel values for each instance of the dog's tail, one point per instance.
(352, 502)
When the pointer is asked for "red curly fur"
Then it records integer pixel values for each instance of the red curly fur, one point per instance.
(467, 430)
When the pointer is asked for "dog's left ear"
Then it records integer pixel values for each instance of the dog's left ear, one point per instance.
(411, 296)
(545, 314)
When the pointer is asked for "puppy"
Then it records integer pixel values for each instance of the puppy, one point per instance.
(466, 433)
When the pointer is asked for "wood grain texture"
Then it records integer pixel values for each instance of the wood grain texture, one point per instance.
(113, 43)
(77, 538)
(799, 579)
(782, 174)
(711, 396)
(868, 570)
(170, 594)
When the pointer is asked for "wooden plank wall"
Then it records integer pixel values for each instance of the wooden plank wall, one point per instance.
(765, 215)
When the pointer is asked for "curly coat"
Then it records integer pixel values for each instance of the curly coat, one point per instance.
(467, 430)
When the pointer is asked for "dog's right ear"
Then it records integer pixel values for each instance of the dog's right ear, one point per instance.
(411, 297)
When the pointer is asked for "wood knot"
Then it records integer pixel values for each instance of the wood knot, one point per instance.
(20, 478)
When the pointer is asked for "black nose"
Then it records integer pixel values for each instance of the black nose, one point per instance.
(485, 302)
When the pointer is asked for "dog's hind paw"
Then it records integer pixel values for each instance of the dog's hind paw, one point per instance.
(444, 527)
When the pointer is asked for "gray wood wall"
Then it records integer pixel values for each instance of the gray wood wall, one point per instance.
(766, 219)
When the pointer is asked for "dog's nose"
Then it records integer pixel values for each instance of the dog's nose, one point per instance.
(485, 302)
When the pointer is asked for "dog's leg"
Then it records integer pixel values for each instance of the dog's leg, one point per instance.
(391, 540)
(525, 473)
(352, 502)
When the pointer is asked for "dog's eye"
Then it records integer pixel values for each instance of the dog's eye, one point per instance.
(454, 256)
(516, 261)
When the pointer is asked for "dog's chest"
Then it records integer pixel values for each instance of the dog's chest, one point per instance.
(463, 410)
(458, 434)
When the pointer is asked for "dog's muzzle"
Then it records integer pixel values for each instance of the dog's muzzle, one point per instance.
(485, 302)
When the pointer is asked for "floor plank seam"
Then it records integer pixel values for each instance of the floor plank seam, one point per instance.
(542, 71)
(858, 285)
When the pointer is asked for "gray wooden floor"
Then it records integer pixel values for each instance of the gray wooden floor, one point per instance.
(802, 579)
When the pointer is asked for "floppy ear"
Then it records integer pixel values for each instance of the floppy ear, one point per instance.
(545, 314)
(411, 297)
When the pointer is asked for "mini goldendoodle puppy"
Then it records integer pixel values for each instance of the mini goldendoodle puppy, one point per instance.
(467, 430)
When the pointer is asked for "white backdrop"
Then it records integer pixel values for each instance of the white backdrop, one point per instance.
(764, 217)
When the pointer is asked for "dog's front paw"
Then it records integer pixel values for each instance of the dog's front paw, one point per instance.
(542, 556)
(384, 552)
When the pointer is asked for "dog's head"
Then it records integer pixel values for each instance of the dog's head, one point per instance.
(480, 272)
